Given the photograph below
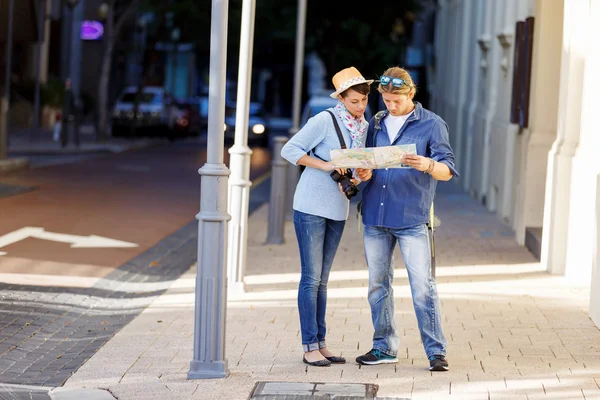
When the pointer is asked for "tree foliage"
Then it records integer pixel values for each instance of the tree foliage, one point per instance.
(370, 37)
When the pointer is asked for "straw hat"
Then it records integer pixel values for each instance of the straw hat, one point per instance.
(346, 78)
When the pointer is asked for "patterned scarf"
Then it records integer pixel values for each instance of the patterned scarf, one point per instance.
(356, 126)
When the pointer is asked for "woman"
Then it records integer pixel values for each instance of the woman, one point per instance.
(320, 208)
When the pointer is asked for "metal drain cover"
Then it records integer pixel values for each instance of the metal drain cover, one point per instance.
(313, 390)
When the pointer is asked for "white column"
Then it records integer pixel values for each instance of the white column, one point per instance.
(543, 117)
(239, 182)
(595, 284)
(439, 49)
(442, 67)
(558, 183)
(586, 167)
(464, 81)
(486, 102)
(504, 157)
(473, 82)
(451, 69)
(494, 162)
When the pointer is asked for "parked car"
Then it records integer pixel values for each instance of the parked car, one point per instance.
(187, 120)
(156, 113)
(319, 103)
(258, 132)
(200, 106)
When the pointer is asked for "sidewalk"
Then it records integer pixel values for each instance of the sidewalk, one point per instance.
(514, 331)
(33, 142)
(29, 148)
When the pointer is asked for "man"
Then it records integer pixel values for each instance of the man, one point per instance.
(395, 208)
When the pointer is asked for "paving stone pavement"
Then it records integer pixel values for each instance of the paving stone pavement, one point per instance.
(514, 331)
(48, 332)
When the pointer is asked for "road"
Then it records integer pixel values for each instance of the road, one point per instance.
(113, 231)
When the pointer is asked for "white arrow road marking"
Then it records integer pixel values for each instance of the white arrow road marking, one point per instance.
(18, 235)
(77, 241)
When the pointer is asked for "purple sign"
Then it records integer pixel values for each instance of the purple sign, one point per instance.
(91, 30)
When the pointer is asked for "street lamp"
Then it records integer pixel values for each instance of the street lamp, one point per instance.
(5, 100)
(68, 100)
(175, 35)
(141, 46)
(103, 11)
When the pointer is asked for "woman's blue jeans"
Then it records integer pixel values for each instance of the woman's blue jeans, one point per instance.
(318, 240)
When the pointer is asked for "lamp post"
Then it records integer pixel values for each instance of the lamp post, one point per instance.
(5, 101)
(38, 62)
(138, 73)
(294, 172)
(175, 35)
(68, 101)
(141, 43)
(239, 183)
(211, 294)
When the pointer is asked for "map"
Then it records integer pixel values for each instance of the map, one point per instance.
(372, 157)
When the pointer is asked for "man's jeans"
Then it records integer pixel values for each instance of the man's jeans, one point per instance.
(415, 248)
(318, 240)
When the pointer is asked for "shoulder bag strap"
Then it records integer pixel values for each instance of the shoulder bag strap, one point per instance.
(339, 133)
(338, 130)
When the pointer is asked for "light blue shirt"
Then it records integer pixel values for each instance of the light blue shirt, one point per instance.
(316, 193)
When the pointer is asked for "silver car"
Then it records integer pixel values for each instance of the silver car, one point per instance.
(316, 104)
(156, 113)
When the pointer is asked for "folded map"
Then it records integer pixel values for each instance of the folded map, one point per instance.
(372, 157)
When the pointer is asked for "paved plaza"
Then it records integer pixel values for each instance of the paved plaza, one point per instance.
(514, 331)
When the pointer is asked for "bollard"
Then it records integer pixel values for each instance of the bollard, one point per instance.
(277, 203)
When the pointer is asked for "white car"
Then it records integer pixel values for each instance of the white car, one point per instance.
(316, 104)
(258, 132)
(156, 112)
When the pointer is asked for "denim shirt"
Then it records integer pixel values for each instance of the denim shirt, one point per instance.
(398, 198)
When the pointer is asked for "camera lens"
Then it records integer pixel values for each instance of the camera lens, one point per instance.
(349, 188)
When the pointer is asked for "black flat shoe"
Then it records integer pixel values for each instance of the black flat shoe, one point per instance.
(320, 363)
(336, 360)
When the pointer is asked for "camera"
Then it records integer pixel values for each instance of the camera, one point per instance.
(349, 188)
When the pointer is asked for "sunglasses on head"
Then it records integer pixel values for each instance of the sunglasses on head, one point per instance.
(396, 82)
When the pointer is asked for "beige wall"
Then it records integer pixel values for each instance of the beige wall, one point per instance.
(546, 175)
(543, 111)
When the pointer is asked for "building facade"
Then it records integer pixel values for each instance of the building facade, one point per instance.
(541, 177)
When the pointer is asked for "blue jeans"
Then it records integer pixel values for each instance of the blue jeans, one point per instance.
(415, 248)
(318, 240)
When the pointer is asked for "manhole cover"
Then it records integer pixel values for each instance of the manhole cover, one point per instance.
(13, 190)
(313, 390)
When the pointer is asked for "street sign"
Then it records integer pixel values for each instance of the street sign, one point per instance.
(77, 241)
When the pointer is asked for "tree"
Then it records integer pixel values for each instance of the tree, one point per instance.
(370, 38)
(118, 12)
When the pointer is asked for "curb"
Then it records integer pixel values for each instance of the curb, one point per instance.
(107, 148)
(79, 394)
(14, 164)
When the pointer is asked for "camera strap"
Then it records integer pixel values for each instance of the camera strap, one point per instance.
(337, 129)
(339, 134)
